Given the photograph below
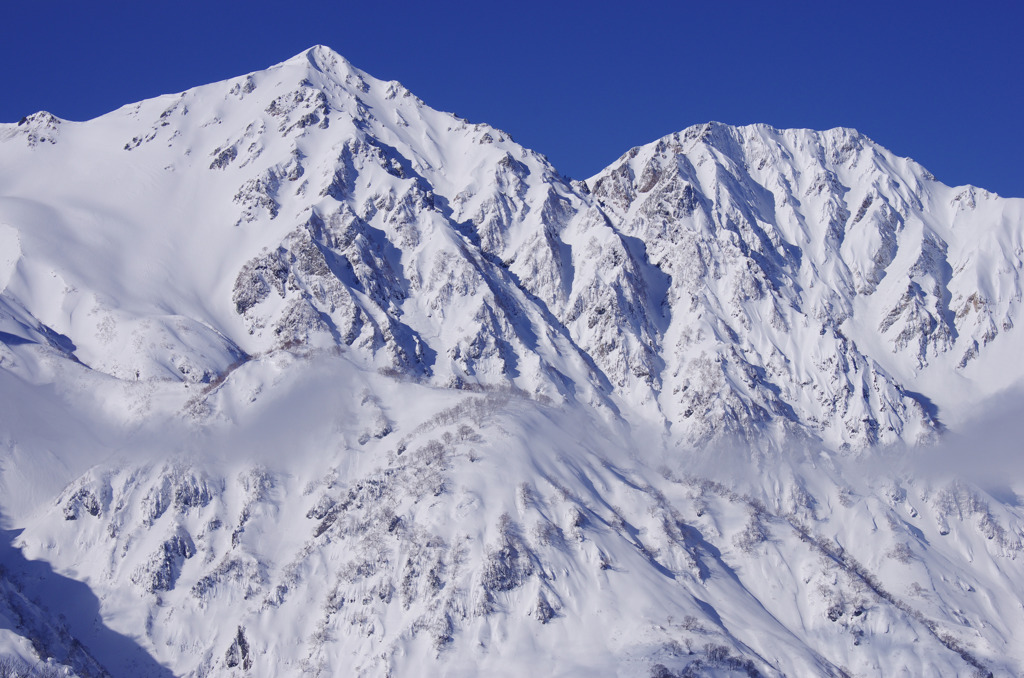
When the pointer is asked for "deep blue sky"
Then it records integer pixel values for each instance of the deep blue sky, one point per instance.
(581, 82)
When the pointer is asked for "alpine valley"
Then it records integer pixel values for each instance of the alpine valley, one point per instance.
(300, 376)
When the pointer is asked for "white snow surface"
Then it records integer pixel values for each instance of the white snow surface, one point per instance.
(303, 377)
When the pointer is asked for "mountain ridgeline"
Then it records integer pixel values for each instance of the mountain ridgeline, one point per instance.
(308, 377)
(722, 281)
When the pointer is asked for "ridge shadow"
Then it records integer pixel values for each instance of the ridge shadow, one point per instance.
(61, 617)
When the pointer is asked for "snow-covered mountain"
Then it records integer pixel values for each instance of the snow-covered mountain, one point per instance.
(304, 376)
(817, 278)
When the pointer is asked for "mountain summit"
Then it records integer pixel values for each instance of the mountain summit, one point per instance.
(307, 377)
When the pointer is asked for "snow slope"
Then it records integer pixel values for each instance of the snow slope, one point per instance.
(305, 377)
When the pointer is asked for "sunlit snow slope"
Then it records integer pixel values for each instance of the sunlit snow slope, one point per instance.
(302, 376)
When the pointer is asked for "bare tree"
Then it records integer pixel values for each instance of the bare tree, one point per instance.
(48, 671)
(9, 666)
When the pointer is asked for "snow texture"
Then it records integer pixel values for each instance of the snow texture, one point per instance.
(303, 377)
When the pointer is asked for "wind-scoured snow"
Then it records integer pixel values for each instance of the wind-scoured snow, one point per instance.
(302, 376)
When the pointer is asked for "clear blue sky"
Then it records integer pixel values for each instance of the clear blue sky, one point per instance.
(580, 82)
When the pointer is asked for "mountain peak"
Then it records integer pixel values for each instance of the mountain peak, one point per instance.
(325, 59)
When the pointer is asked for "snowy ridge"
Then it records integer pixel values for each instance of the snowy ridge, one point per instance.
(346, 384)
